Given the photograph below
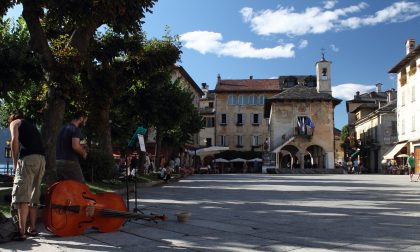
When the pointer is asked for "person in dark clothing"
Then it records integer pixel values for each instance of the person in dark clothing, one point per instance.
(69, 149)
(28, 167)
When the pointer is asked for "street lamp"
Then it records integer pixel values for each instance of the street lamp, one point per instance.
(7, 155)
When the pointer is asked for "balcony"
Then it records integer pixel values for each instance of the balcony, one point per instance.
(412, 71)
(403, 80)
(307, 132)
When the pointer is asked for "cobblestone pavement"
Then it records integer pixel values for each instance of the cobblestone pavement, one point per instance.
(263, 212)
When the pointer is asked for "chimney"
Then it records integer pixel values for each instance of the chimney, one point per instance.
(251, 77)
(410, 45)
(205, 89)
(378, 87)
(218, 78)
(357, 96)
(391, 94)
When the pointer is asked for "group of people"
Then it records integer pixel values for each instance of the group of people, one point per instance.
(28, 156)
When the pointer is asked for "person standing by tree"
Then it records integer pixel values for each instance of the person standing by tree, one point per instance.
(69, 149)
(411, 166)
(28, 167)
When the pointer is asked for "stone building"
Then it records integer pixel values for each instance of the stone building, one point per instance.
(239, 112)
(301, 120)
(376, 131)
(372, 125)
(408, 103)
(208, 112)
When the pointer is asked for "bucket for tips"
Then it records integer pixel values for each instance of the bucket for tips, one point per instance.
(183, 216)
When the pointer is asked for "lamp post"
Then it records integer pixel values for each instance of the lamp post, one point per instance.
(7, 155)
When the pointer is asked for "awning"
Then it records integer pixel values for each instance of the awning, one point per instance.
(393, 151)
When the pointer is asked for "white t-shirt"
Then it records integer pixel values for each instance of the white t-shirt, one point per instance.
(162, 171)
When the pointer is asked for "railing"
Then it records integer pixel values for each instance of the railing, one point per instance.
(284, 138)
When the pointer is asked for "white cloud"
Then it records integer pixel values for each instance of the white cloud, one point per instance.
(329, 4)
(334, 48)
(397, 12)
(303, 43)
(246, 14)
(211, 42)
(348, 90)
(315, 20)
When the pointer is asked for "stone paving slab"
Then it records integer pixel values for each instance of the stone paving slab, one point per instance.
(262, 212)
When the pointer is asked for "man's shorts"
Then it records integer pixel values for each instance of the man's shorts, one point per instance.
(68, 169)
(28, 178)
(412, 169)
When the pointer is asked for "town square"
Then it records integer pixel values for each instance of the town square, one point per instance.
(149, 125)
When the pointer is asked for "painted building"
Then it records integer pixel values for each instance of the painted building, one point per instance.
(239, 112)
(376, 131)
(208, 112)
(301, 120)
(408, 103)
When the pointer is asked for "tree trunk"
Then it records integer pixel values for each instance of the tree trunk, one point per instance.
(99, 122)
(53, 118)
(158, 148)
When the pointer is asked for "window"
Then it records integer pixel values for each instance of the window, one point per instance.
(209, 122)
(413, 123)
(253, 100)
(223, 119)
(232, 100)
(394, 131)
(223, 140)
(403, 77)
(324, 75)
(358, 115)
(211, 104)
(240, 118)
(256, 140)
(208, 142)
(402, 98)
(239, 142)
(403, 127)
(310, 81)
(256, 119)
(242, 100)
(413, 93)
(413, 68)
(261, 99)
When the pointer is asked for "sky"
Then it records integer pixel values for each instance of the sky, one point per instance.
(268, 38)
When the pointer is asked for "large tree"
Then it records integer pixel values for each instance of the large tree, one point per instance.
(164, 104)
(61, 33)
(119, 60)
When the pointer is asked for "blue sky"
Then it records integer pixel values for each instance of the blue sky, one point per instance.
(363, 39)
(267, 38)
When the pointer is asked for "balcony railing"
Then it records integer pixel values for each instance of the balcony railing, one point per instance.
(307, 132)
(403, 80)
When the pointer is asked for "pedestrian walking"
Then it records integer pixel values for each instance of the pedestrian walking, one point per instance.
(411, 166)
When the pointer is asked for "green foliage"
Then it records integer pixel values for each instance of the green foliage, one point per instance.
(99, 164)
(344, 133)
(19, 66)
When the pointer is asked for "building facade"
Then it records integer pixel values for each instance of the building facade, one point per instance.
(376, 132)
(408, 103)
(301, 120)
(208, 112)
(239, 112)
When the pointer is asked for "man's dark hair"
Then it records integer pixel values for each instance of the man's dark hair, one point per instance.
(14, 116)
(79, 113)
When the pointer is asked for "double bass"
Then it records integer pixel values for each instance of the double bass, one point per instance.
(71, 208)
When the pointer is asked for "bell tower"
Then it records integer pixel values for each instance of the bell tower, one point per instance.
(323, 75)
